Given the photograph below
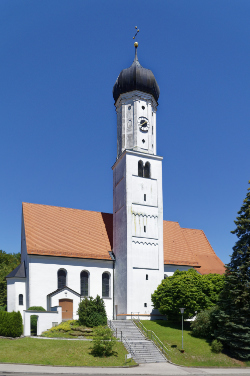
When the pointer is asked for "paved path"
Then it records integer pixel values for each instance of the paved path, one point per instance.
(143, 369)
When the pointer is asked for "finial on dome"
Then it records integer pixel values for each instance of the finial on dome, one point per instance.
(136, 44)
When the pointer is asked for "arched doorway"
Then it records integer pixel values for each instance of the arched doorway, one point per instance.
(67, 308)
(33, 325)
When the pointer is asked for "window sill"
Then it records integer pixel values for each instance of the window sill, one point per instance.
(106, 297)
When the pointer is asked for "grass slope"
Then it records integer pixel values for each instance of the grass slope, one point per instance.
(197, 351)
(57, 353)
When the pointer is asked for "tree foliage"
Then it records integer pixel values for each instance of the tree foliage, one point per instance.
(92, 312)
(187, 289)
(233, 319)
(8, 262)
(103, 341)
(203, 326)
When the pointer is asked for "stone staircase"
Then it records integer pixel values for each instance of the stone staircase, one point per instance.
(141, 349)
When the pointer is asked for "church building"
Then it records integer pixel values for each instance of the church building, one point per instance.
(68, 254)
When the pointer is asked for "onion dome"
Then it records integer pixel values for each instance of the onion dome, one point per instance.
(136, 78)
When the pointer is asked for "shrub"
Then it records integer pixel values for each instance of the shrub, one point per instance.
(3, 308)
(11, 324)
(216, 346)
(203, 325)
(103, 341)
(92, 312)
(65, 326)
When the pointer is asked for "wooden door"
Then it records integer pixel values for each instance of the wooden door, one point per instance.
(67, 308)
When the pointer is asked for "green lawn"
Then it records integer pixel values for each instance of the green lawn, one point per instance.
(197, 351)
(57, 353)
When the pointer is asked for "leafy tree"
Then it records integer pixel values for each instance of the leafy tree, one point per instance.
(233, 319)
(8, 262)
(203, 325)
(187, 289)
(92, 312)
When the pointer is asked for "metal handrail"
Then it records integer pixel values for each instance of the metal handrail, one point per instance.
(123, 338)
(153, 337)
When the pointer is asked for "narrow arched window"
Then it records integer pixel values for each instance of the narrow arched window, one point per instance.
(61, 278)
(20, 299)
(84, 283)
(147, 170)
(140, 169)
(105, 285)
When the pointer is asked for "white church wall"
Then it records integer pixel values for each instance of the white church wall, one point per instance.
(54, 301)
(120, 234)
(45, 320)
(24, 257)
(43, 277)
(148, 280)
(138, 249)
(146, 249)
(15, 287)
(170, 269)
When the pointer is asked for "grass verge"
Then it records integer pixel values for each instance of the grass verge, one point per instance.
(197, 351)
(58, 353)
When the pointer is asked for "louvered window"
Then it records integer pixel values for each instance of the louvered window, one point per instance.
(140, 169)
(84, 283)
(105, 285)
(147, 170)
(61, 278)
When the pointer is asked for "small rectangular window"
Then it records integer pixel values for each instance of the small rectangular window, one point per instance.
(152, 130)
(145, 305)
(146, 277)
(144, 228)
(145, 197)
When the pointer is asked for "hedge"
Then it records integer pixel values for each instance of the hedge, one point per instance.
(11, 324)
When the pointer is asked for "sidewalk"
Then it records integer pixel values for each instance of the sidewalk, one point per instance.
(142, 369)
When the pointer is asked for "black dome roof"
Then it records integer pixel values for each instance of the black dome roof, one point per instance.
(136, 78)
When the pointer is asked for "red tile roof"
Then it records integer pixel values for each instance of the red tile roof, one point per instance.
(203, 252)
(57, 231)
(176, 249)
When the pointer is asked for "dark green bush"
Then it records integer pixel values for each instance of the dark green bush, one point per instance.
(3, 308)
(203, 325)
(11, 324)
(36, 308)
(216, 346)
(103, 341)
(92, 312)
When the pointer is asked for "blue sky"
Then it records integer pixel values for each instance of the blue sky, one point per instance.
(59, 61)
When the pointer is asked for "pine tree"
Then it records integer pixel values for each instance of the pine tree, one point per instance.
(233, 319)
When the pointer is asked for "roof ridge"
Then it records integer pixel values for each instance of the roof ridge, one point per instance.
(63, 207)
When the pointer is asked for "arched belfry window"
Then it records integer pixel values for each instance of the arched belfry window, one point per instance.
(105, 285)
(20, 299)
(84, 283)
(61, 278)
(147, 170)
(140, 169)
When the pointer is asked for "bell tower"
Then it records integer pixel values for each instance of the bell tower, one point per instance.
(137, 192)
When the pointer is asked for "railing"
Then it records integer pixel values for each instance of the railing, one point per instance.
(123, 338)
(153, 337)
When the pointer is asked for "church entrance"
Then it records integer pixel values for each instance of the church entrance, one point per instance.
(67, 308)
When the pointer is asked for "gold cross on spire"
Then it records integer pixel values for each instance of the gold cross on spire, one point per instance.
(137, 31)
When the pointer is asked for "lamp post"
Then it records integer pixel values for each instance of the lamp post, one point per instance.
(182, 311)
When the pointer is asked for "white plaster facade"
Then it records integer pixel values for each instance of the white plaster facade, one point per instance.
(137, 205)
(45, 320)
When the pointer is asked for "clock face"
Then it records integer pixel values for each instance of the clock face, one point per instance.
(143, 124)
